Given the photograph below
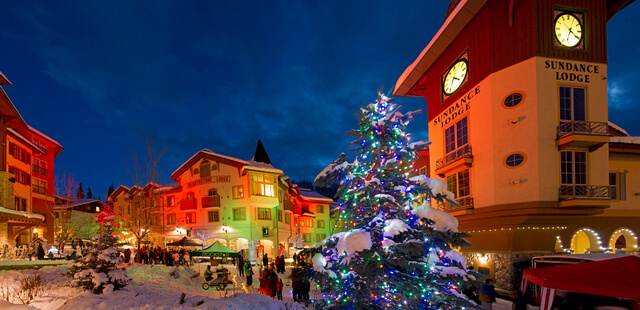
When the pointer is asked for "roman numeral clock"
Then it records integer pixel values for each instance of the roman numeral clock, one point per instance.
(568, 29)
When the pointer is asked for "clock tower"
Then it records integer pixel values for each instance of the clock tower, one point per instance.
(516, 95)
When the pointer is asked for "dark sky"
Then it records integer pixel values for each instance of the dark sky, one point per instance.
(99, 76)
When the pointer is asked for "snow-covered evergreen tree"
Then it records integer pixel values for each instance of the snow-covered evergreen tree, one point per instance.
(399, 252)
(97, 270)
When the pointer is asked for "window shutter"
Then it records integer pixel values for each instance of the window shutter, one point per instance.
(623, 186)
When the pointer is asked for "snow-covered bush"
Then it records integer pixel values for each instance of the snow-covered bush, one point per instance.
(97, 271)
(25, 290)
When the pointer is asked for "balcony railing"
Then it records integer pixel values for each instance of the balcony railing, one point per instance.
(211, 201)
(39, 189)
(583, 128)
(189, 204)
(464, 203)
(288, 206)
(459, 153)
(39, 170)
(568, 192)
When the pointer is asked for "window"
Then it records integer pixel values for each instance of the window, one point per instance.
(280, 216)
(205, 169)
(19, 153)
(423, 171)
(320, 237)
(306, 237)
(171, 219)
(39, 186)
(191, 218)
(171, 201)
(305, 222)
(572, 104)
(21, 176)
(212, 192)
(264, 213)
(320, 223)
(319, 209)
(456, 136)
(264, 184)
(514, 160)
(214, 216)
(21, 204)
(39, 167)
(305, 208)
(573, 167)
(458, 183)
(513, 100)
(287, 218)
(238, 192)
(239, 214)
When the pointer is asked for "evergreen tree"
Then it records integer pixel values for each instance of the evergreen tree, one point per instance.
(110, 190)
(399, 254)
(89, 193)
(97, 270)
(80, 193)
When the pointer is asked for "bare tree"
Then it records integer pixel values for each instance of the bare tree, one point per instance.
(144, 169)
(202, 235)
(65, 228)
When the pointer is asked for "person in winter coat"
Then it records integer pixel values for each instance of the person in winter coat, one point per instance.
(282, 264)
(295, 285)
(40, 252)
(208, 274)
(241, 265)
(249, 274)
(279, 289)
(488, 294)
(265, 260)
(127, 255)
(272, 283)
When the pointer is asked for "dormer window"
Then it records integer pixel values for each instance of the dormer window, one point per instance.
(205, 168)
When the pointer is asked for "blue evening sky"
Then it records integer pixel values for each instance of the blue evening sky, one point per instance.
(98, 76)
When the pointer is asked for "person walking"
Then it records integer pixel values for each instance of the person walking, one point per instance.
(488, 294)
(279, 288)
(249, 274)
(265, 260)
(282, 264)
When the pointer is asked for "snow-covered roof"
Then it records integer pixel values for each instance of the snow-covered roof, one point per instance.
(308, 194)
(77, 202)
(24, 139)
(625, 140)
(618, 128)
(205, 153)
(24, 214)
(260, 166)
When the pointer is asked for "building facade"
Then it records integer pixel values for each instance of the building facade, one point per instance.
(249, 206)
(26, 179)
(518, 124)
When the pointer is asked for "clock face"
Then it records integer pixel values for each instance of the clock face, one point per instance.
(455, 77)
(568, 30)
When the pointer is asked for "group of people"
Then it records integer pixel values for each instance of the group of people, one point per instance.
(279, 262)
(159, 256)
(270, 284)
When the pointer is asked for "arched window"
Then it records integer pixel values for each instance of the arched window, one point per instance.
(205, 168)
(514, 160)
(513, 100)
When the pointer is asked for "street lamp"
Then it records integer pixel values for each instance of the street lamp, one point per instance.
(225, 228)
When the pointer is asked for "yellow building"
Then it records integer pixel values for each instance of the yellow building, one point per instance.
(518, 124)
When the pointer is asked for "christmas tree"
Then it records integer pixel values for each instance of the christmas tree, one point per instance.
(396, 251)
(97, 271)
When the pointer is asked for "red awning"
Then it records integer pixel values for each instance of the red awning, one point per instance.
(616, 277)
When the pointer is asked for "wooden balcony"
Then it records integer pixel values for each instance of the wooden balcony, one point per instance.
(590, 198)
(464, 204)
(582, 134)
(39, 170)
(211, 201)
(39, 189)
(462, 156)
(189, 204)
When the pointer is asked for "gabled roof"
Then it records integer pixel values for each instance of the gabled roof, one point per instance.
(9, 111)
(25, 140)
(207, 154)
(3, 79)
(58, 146)
(309, 195)
(77, 203)
(120, 188)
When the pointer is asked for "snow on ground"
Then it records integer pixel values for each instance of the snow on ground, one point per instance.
(153, 287)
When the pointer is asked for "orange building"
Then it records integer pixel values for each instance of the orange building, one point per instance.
(518, 123)
(26, 178)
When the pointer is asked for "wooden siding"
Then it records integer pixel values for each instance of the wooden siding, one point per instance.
(493, 44)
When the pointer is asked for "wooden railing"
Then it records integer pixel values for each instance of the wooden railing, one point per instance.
(461, 152)
(585, 192)
(39, 189)
(211, 201)
(39, 170)
(464, 203)
(583, 127)
(188, 204)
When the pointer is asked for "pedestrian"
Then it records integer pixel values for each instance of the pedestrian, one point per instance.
(295, 259)
(488, 294)
(282, 264)
(272, 282)
(240, 265)
(127, 255)
(176, 258)
(73, 244)
(208, 274)
(249, 274)
(295, 285)
(279, 288)
(265, 260)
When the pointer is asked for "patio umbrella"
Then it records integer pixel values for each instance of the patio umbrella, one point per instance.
(184, 242)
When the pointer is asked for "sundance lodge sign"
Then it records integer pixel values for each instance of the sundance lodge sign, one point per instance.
(456, 109)
(210, 179)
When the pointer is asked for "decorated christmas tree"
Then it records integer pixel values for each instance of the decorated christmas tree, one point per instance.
(396, 251)
(97, 271)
